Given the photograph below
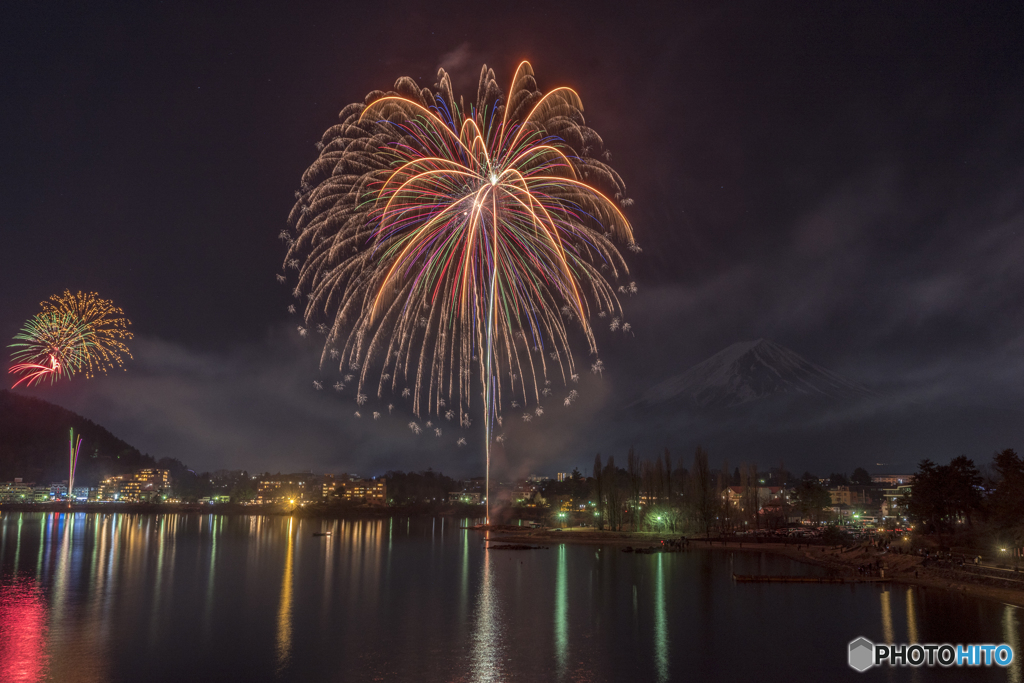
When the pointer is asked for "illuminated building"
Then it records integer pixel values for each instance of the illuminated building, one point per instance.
(372, 491)
(849, 495)
(285, 488)
(15, 492)
(892, 500)
(328, 485)
(142, 487)
(526, 493)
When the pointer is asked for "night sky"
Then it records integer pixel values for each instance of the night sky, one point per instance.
(846, 179)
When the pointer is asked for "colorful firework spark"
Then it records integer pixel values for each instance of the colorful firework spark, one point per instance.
(47, 346)
(446, 245)
(74, 333)
(416, 213)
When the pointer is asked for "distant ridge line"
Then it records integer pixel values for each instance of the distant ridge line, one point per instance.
(750, 371)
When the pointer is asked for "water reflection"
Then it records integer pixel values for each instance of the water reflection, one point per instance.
(561, 614)
(912, 637)
(215, 524)
(327, 553)
(486, 658)
(887, 630)
(143, 537)
(911, 617)
(463, 592)
(1011, 636)
(23, 631)
(284, 612)
(60, 582)
(258, 600)
(660, 621)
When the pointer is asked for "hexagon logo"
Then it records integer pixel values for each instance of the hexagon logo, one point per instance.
(862, 654)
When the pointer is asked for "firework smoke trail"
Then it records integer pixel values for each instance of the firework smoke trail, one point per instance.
(437, 242)
(74, 333)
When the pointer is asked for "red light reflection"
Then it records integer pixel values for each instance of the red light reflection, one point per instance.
(23, 629)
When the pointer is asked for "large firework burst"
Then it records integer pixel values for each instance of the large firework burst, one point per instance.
(439, 245)
(74, 333)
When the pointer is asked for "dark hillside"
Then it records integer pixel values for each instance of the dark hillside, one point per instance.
(34, 444)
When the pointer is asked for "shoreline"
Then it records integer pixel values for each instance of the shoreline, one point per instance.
(900, 569)
(318, 511)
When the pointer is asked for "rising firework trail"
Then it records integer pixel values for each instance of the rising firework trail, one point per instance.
(73, 447)
(74, 333)
(446, 247)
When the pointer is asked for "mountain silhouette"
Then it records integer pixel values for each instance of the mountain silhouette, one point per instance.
(34, 444)
(751, 371)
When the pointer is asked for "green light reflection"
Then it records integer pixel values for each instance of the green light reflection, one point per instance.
(660, 621)
(561, 614)
(1011, 636)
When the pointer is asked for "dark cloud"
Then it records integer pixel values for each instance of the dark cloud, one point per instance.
(254, 407)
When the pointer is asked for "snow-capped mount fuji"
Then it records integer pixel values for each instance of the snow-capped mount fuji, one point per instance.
(751, 371)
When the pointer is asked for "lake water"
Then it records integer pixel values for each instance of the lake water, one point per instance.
(121, 597)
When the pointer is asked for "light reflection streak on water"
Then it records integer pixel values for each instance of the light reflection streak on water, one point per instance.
(355, 552)
(1011, 636)
(660, 622)
(387, 573)
(284, 613)
(107, 566)
(364, 543)
(327, 552)
(141, 555)
(60, 583)
(887, 631)
(17, 550)
(375, 560)
(110, 580)
(42, 544)
(912, 633)
(561, 614)
(215, 525)
(487, 653)
(88, 661)
(63, 551)
(464, 579)
(23, 632)
(911, 618)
